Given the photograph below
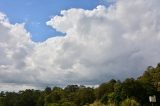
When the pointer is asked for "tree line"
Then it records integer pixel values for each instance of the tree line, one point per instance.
(130, 92)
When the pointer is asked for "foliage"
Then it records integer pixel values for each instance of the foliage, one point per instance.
(68, 104)
(96, 103)
(105, 88)
(104, 99)
(85, 96)
(111, 93)
(130, 102)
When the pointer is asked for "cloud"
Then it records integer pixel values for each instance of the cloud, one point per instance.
(107, 42)
(15, 47)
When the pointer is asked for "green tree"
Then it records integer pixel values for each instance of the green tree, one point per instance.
(55, 96)
(71, 88)
(104, 99)
(29, 97)
(105, 88)
(85, 96)
(48, 90)
(11, 99)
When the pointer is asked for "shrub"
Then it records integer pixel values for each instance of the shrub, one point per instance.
(129, 102)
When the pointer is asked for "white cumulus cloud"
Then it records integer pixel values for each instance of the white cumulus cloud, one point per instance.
(107, 42)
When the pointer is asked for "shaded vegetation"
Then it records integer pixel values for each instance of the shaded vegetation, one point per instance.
(130, 92)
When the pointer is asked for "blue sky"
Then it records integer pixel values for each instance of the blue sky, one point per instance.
(35, 13)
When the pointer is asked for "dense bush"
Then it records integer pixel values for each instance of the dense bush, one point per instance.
(129, 102)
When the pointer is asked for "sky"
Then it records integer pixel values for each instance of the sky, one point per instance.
(86, 42)
(35, 13)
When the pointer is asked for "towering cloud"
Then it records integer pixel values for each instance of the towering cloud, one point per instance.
(107, 42)
(15, 47)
